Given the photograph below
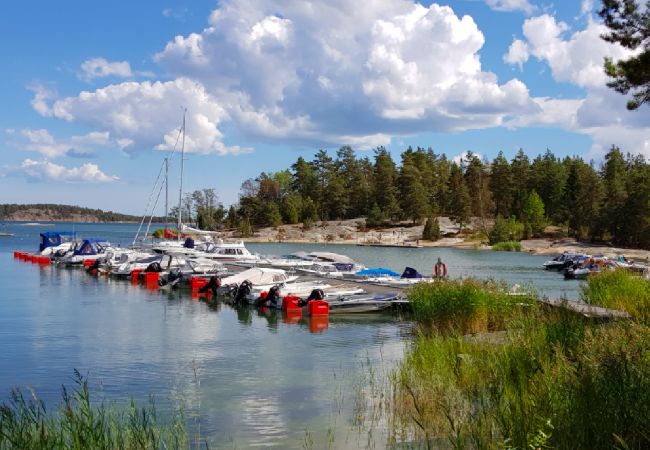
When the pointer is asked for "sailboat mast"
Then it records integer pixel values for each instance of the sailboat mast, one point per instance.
(180, 191)
(166, 193)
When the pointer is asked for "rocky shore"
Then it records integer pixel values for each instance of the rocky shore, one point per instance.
(353, 232)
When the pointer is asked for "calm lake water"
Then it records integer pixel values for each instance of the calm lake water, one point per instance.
(245, 379)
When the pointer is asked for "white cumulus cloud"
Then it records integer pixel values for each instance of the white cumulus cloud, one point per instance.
(511, 5)
(47, 171)
(577, 57)
(100, 68)
(41, 141)
(148, 115)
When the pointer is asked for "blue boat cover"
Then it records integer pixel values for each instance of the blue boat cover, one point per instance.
(90, 247)
(378, 272)
(54, 238)
(410, 272)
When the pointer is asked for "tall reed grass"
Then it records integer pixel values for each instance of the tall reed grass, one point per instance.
(26, 424)
(619, 289)
(554, 379)
(467, 305)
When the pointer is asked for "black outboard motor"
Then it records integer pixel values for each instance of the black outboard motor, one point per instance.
(174, 275)
(271, 298)
(213, 285)
(153, 267)
(244, 289)
(316, 294)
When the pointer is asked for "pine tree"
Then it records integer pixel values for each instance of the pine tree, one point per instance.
(431, 231)
(501, 185)
(459, 204)
(629, 25)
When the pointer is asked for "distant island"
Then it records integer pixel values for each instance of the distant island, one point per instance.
(46, 212)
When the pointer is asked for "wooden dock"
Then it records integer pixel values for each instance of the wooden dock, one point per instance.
(404, 245)
(586, 310)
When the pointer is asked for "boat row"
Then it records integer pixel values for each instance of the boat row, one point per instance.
(578, 266)
(232, 271)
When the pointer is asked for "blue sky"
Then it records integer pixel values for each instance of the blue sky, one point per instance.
(93, 92)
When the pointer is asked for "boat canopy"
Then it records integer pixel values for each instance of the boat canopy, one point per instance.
(54, 238)
(91, 247)
(378, 272)
(330, 257)
(410, 272)
(257, 275)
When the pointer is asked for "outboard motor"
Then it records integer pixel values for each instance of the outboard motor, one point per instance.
(316, 294)
(213, 285)
(174, 275)
(153, 267)
(271, 298)
(243, 291)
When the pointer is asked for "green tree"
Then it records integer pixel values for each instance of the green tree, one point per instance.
(413, 197)
(385, 182)
(534, 220)
(291, 208)
(501, 185)
(431, 231)
(635, 228)
(375, 217)
(629, 25)
(614, 174)
(520, 170)
(547, 178)
(459, 202)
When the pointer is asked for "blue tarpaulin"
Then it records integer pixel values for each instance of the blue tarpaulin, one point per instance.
(378, 272)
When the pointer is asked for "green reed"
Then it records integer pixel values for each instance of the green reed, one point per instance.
(469, 304)
(619, 289)
(77, 424)
(553, 379)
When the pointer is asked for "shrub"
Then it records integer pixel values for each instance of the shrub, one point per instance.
(505, 230)
(375, 217)
(507, 246)
(431, 231)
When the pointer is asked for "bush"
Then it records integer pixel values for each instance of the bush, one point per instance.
(375, 217)
(505, 230)
(431, 231)
(507, 246)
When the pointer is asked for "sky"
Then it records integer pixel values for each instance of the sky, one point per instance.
(94, 93)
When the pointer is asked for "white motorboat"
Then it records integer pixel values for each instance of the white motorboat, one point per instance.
(361, 303)
(259, 276)
(161, 263)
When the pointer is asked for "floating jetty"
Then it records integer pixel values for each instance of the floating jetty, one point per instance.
(404, 245)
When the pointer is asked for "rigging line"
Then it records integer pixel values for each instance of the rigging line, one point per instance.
(146, 233)
(153, 190)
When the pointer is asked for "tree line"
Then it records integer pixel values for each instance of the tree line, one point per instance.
(65, 212)
(610, 202)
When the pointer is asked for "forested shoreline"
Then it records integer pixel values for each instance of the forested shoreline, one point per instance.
(609, 202)
(66, 213)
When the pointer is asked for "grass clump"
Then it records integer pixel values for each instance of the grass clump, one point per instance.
(619, 289)
(507, 246)
(554, 379)
(25, 424)
(448, 303)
